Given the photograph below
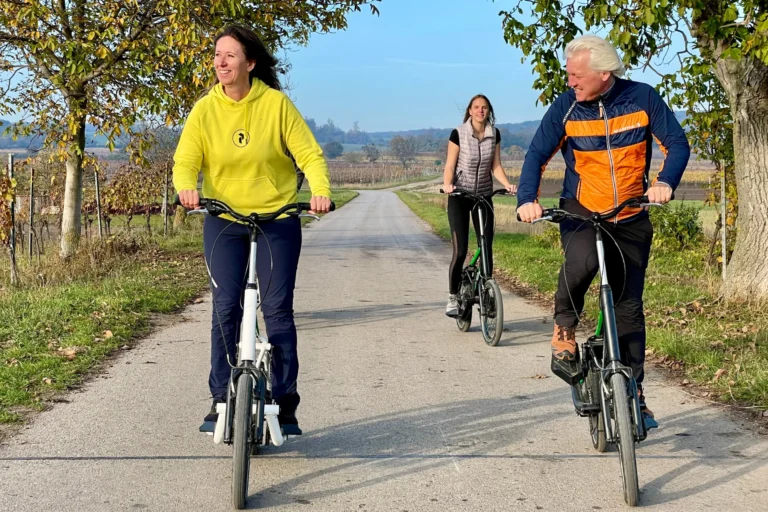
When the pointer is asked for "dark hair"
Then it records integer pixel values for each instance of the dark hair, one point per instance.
(491, 115)
(266, 65)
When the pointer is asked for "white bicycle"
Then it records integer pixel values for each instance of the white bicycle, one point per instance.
(248, 418)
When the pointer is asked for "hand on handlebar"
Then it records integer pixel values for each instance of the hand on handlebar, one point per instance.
(448, 188)
(659, 193)
(529, 212)
(189, 199)
(320, 204)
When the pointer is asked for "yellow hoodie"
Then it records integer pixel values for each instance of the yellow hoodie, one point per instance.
(241, 148)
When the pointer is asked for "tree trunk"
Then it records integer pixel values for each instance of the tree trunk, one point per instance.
(73, 193)
(179, 217)
(747, 84)
(12, 261)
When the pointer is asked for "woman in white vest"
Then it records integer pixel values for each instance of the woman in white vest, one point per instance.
(474, 159)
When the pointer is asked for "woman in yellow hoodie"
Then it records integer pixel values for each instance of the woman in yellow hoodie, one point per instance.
(241, 136)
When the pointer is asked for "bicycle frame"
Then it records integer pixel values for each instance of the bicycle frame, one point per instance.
(254, 351)
(254, 357)
(610, 362)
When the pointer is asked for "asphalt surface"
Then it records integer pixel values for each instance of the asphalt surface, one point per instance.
(401, 411)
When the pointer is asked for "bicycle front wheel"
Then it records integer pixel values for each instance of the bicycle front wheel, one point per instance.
(242, 440)
(492, 318)
(624, 429)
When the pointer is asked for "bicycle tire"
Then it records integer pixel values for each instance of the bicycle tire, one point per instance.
(494, 304)
(626, 444)
(241, 458)
(596, 421)
(464, 320)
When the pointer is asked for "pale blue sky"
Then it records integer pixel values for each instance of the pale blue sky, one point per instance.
(415, 66)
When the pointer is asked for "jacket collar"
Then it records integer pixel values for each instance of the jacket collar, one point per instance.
(489, 129)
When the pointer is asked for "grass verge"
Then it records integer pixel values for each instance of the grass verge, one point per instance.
(720, 349)
(65, 319)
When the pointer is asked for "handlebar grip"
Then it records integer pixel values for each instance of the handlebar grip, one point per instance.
(308, 206)
(177, 201)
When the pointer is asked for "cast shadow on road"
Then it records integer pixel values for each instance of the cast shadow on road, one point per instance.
(424, 440)
(521, 331)
(339, 317)
(716, 444)
(392, 446)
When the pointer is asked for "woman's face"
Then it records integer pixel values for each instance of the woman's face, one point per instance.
(479, 110)
(232, 67)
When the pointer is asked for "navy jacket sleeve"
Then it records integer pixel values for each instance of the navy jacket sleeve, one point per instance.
(547, 140)
(670, 136)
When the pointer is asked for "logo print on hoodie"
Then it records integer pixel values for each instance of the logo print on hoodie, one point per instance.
(241, 138)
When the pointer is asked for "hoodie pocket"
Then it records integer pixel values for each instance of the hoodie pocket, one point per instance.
(246, 196)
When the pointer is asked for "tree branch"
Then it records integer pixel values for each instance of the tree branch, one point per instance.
(147, 21)
(62, 10)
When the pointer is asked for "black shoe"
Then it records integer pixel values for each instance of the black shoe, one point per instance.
(213, 415)
(649, 419)
(287, 416)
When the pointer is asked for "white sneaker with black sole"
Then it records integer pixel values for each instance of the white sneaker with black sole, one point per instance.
(452, 308)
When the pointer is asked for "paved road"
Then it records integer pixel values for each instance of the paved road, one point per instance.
(401, 411)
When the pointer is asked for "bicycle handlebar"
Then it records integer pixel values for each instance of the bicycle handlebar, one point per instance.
(557, 215)
(215, 207)
(460, 193)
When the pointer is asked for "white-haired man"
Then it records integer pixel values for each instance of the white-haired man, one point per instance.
(604, 126)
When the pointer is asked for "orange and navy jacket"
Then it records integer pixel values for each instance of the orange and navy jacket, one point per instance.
(606, 144)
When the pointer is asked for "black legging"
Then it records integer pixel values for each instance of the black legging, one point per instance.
(458, 218)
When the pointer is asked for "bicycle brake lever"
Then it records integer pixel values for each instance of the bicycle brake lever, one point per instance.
(198, 211)
(308, 215)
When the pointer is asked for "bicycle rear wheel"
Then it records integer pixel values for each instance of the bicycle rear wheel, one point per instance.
(596, 421)
(624, 430)
(242, 440)
(464, 320)
(492, 318)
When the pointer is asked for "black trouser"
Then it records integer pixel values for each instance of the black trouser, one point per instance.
(230, 244)
(458, 217)
(580, 267)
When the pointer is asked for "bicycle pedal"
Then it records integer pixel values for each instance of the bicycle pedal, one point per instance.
(649, 422)
(570, 371)
(208, 427)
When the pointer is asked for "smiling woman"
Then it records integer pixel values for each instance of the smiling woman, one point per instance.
(246, 137)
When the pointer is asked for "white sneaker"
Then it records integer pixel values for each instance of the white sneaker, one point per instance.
(452, 308)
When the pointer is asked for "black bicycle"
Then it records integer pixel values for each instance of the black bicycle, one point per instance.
(602, 387)
(477, 284)
(248, 418)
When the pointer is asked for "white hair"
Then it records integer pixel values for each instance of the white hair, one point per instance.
(603, 56)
